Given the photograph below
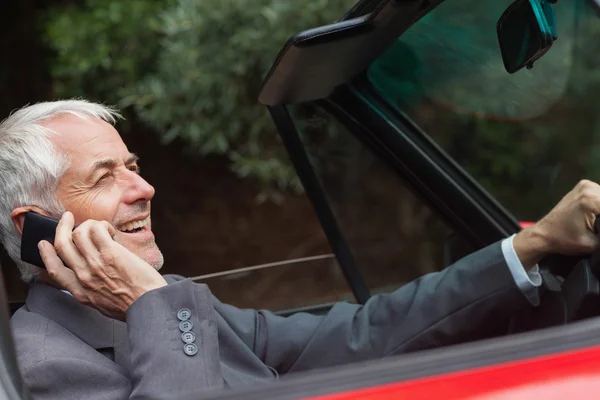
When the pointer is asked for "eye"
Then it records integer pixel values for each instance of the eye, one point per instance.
(103, 178)
(135, 168)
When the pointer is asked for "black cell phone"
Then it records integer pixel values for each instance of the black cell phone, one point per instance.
(36, 228)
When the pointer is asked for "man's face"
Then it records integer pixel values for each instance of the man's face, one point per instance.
(103, 183)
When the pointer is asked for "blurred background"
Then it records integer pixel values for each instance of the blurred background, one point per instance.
(186, 75)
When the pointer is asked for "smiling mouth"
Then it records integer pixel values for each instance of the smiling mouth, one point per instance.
(134, 227)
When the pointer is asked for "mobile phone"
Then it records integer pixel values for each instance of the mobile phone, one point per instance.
(36, 228)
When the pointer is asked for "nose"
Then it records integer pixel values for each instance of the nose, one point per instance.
(139, 190)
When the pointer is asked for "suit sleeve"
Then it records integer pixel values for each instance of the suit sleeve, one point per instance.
(459, 303)
(159, 362)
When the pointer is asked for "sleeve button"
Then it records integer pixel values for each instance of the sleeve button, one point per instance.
(184, 314)
(188, 337)
(190, 349)
(185, 326)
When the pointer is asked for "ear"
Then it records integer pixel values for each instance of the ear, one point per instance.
(18, 215)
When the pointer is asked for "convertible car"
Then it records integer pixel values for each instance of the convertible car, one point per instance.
(471, 115)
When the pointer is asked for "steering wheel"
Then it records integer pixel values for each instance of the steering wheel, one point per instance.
(570, 292)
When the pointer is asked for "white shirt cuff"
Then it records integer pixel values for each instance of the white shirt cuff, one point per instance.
(527, 281)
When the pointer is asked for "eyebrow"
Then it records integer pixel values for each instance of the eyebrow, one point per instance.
(111, 163)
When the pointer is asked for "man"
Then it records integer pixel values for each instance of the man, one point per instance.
(101, 322)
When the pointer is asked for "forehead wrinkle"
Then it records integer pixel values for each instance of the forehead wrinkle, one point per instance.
(91, 140)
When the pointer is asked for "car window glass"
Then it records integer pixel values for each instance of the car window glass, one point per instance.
(282, 286)
(392, 235)
(527, 137)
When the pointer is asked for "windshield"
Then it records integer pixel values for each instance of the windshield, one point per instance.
(527, 137)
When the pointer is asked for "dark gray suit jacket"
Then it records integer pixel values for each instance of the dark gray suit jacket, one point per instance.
(70, 351)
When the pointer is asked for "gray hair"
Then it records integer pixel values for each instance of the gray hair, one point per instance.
(31, 167)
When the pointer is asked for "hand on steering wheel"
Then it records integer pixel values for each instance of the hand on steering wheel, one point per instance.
(565, 245)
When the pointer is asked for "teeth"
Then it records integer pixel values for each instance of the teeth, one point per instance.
(133, 225)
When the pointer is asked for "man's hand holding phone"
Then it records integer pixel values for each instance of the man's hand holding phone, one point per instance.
(94, 268)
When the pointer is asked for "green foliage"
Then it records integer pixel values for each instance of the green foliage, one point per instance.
(102, 46)
(213, 59)
(191, 69)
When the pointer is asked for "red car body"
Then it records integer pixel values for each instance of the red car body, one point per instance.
(569, 375)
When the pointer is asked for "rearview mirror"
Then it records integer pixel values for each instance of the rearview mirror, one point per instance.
(526, 31)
